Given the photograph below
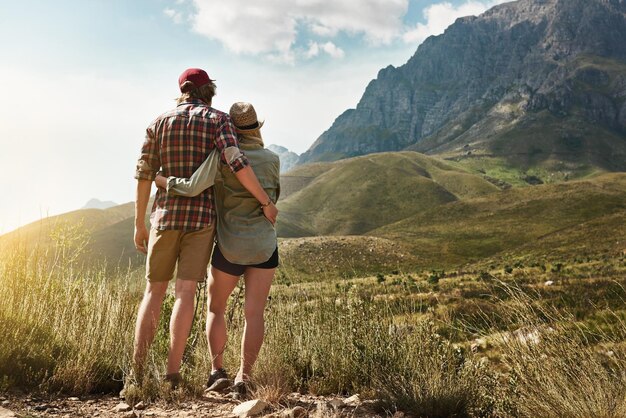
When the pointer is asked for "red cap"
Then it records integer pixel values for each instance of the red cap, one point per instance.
(197, 76)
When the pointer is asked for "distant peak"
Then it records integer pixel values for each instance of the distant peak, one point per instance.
(288, 159)
(98, 204)
(277, 148)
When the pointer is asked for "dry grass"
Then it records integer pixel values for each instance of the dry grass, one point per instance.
(68, 328)
(553, 367)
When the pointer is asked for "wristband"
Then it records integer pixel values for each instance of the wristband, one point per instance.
(269, 202)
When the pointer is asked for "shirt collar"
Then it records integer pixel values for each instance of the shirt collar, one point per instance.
(193, 101)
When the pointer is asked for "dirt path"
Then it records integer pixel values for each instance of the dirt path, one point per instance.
(23, 406)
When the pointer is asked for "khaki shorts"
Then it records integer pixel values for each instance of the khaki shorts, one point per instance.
(191, 249)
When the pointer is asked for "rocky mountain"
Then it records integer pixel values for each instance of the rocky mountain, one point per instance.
(533, 83)
(98, 204)
(288, 159)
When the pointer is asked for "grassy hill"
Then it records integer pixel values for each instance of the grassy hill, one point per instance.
(115, 245)
(390, 211)
(520, 220)
(299, 177)
(104, 235)
(601, 238)
(88, 220)
(357, 195)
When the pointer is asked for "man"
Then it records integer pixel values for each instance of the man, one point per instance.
(182, 232)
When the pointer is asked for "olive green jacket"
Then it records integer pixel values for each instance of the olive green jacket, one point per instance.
(244, 234)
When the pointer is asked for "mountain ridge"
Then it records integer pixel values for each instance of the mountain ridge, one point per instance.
(418, 211)
(540, 63)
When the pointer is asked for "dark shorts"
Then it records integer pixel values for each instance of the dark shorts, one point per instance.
(222, 264)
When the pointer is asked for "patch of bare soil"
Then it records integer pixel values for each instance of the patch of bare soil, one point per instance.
(210, 405)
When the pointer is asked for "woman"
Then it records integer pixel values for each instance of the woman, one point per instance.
(246, 245)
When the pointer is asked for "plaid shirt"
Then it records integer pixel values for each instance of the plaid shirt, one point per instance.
(177, 142)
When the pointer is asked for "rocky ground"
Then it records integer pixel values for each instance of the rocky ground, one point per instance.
(210, 405)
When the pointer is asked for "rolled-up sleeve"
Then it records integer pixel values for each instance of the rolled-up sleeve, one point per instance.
(148, 163)
(228, 146)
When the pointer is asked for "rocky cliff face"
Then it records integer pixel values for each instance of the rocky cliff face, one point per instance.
(288, 159)
(557, 67)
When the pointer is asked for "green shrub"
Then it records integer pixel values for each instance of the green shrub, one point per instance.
(433, 277)
(556, 267)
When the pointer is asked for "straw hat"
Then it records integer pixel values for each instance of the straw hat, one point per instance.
(244, 117)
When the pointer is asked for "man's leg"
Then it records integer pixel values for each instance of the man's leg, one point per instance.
(258, 283)
(180, 323)
(160, 263)
(221, 285)
(195, 250)
(147, 321)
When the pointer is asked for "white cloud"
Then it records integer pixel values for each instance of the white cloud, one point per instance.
(313, 51)
(328, 47)
(377, 20)
(271, 29)
(177, 17)
(322, 30)
(441, 15)
(332, 50)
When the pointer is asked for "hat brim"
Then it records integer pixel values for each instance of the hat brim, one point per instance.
(243, 131)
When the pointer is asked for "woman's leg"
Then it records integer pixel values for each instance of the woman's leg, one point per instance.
(258, 282)
(221, 285)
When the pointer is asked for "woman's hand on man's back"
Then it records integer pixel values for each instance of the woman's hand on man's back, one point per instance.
(270, 212)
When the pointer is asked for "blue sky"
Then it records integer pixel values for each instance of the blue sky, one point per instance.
(82, 79)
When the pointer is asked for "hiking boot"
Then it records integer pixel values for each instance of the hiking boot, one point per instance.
(174, 379)
(218, 381)
(238, 391)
